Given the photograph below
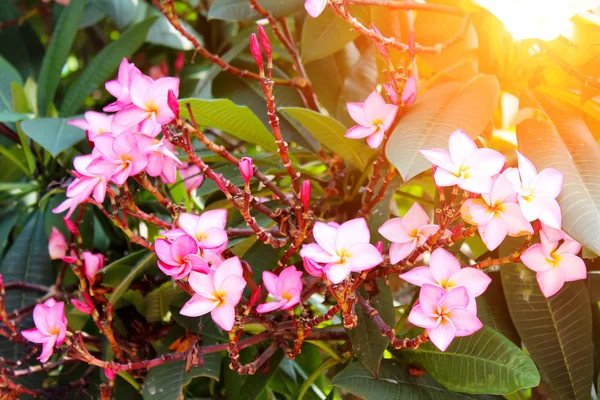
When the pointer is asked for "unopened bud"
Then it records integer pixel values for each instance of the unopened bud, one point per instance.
(71, 226)
(173, 104)
(380, 46)
(81, 306)
(379, 246)
(264, 41)
(256, 51)
(409, 94)
(254, 297)
(391, 92)
(70, 259)
(246, 169)
(57, 244)
(305, 194)
(110, 374)
(179, 61)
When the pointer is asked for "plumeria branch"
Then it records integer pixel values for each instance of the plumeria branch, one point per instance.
(410, 5)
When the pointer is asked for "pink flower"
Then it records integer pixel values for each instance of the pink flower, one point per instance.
(92, 263)
(497, 214)
(314, 8)
(409, 94)
(121, 157)
(445, 272)
(537, 192)
(120, 88)
(407, 233)
(208, 229)
(444, 315)
(313, 268)
(179, 258)
(94, 124)
(150, 105)
(161, 160)
(50, 327)
(218, 293)
(85, 185)
(554, 265)
(57, 244)
(285, 289)
(246, 169)
(554, 235)
(373, 117)
(465, 165)
(192, 176)
(343, 249)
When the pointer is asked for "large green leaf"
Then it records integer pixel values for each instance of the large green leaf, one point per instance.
(483, 363)
(328, 33)
(239, 10)
(236, 120)
(367, 342)
(8, 75)
(63, 36)
(331, 135)
(122, 12)
(103, 66)
(53, 134)
(557, 331)
(563, 141)
(167, 381)
(493, 311)
(435, 115)
(394, 383)
(144, 262)
(164, 34)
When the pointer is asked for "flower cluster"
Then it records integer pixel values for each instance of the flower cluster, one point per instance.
(126, 143)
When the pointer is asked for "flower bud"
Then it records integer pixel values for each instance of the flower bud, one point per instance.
(380, 47)
(110, 374)
(71, 226)
(254, 297)
(70, 259)
(305, 194)
(179, 62)
(57, 245)
(409, 94)
(1, 281)
(81, 306)
(92, 263)
(379, 246)
(246, 169)
(389, 89)
(172, 102)
(256, 51)
(264, 41)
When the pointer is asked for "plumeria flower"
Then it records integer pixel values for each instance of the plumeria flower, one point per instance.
(149, 109)
(444, 315)
(162, 161)
(465, 165)
(50, 327)
(554, 264)
(343, 249)
(94, 124)
(285, 289)
(445, 272)
(407, 233)
(57, 244)
(497, 214)
(192, 177)
(537, 192)
(92, 263)
(554, 235)
(218, 293)
(314, 8)
(121, 157)
(121, 87)
(207, 228)
(180, 257)
(374, 117)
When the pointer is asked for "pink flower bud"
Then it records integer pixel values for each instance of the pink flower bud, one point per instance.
(256, 51)
(81, 306)
(179, 62)
(70, 259)
(305, 194)
(246, 169)
(92, 263)
(379, 246)
(380, 47)
(1, 281)
(110, 374)
(173, 104)
(409, 94)
(57, 245)
(264, 41)
(71, 226)
(254, 297)
(389, 89)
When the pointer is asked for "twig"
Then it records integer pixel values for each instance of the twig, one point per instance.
(410, 5)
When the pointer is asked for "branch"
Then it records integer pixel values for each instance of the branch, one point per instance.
(410, 5)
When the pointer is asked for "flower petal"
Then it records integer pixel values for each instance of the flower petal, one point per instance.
(386, 113)
(326, 236)
(444, 178)
(234, 287)
(419, 318)
(357, 112)
(47, 349)
(472, 279)
(315, 253)
(442, 335)
(465, 322)
(352, 232)
(418, 276)
(395, 231)
(551, 281)
(573, 267)
(476, 181)
(476, 212)
(336, 273)
(213, 219)
(493, 232)
(231, 266)
(268, 307)
(359, 132)
(224, 316)
(461, 147)
(549, 183)
(34, 335)
(374, 141)
(550, 212)
(535, 259)
(439, 157)
(455, 298)
(373, 104)
(517, 224)
(430, 297)
(314, 8)
(415, 218)
(399, 251)
(198, 306)
(488, 160)
(443, 265)
(182, 246)
(271, 281)
(363, 256)
(202, 284)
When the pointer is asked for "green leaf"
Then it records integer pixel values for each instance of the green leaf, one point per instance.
(122, 12)
(331, 135)
(367, 342)
(53, 134)
(236, 120)
(205, 81)
(157, 301)
(562, 140)
(493, 311)
(483, 363)
(7, 222)
(8, 75)
(435, 115)
(10, 116)
(103, 66)
(63, 36)
(250, 387)
(115, 272)
(239, 10)
(145, 262)
(163, 33)
(167, 381)
(557, 331)
(394, 383)
(328, 33)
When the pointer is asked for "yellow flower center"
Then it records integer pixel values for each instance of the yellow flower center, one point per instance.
(54, 330)
(344, 255)
(151, 107)
(220, 296)
(286, 295)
